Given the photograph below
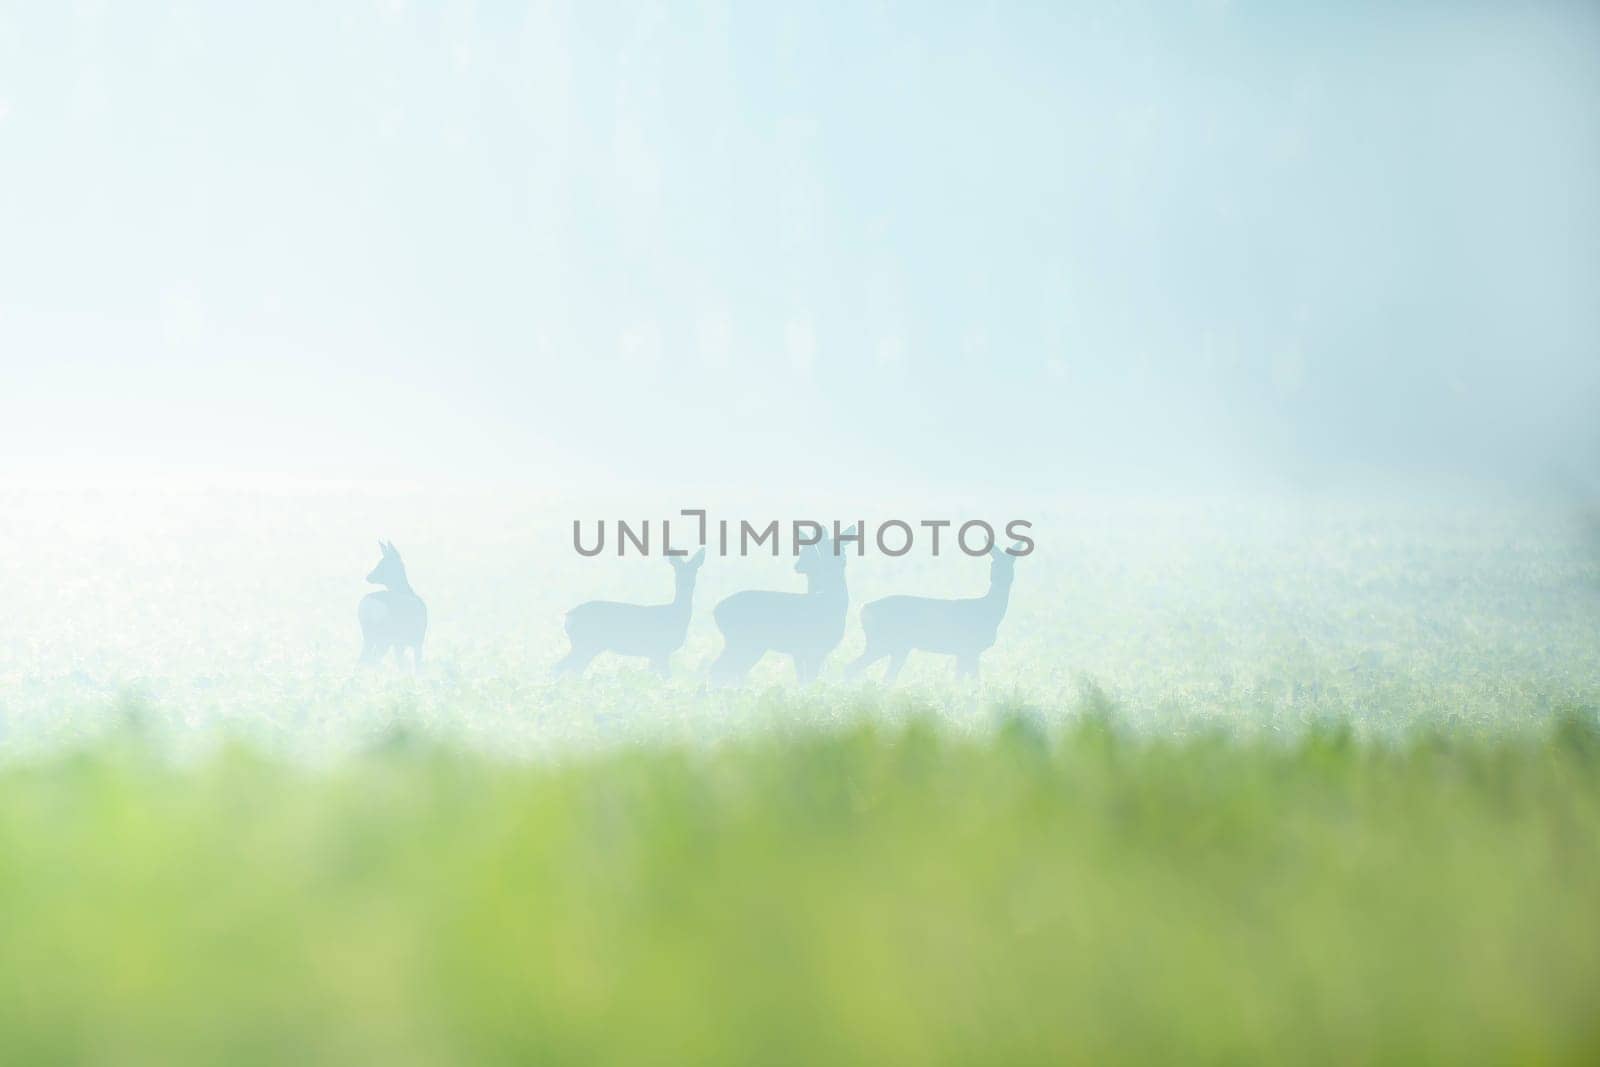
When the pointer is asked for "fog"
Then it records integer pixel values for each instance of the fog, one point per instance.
(1041, 246)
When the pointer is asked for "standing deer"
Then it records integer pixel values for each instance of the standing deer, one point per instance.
(655, 631)
(961, 628)
(395, 618)
(806, 626)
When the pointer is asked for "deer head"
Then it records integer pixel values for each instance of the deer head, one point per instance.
(684, 569)
(822, 562)
(391, 570)
(1002, 565)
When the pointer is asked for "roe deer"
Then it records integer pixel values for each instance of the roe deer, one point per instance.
(961, 628)
(806, 625)
(655, 631)
(395, 618)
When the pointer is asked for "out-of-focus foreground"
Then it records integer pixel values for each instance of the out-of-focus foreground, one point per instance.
(870, 896)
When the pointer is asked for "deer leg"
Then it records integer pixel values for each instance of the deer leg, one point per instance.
(896, 661)
(967, 666)
(574, 661)
(734, 663)
(863, 661)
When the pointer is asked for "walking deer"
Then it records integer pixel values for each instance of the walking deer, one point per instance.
(961, 628)
(654, 631)
(394, 618)
(806, 626)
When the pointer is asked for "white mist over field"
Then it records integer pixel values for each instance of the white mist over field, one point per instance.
(819, 247)
(1280, 325)
(204, 616)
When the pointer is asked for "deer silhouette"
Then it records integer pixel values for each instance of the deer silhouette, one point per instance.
(394, 618)
(961, 628)
(806, 626)
(655, 631)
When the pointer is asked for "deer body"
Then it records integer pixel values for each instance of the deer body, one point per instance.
(395, 618)
(964, 628)
(805, 626)
(654, 631)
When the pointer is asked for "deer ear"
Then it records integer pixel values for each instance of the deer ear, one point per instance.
(994, 552)
(699, 558)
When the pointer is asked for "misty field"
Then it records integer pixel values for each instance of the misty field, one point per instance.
(1307, 779)
(233, 615)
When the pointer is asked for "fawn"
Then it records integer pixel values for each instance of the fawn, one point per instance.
(806, 626)
(655, 631)
(961, 628)
(395, 618)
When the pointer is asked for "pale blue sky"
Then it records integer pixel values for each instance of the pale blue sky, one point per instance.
(1040, 244)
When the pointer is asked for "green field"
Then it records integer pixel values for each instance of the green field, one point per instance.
(1244, 781)
(867, 896)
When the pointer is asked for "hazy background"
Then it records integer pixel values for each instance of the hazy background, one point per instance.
(1042, 245)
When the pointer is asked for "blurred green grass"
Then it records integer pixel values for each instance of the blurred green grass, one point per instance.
(1059, 888)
